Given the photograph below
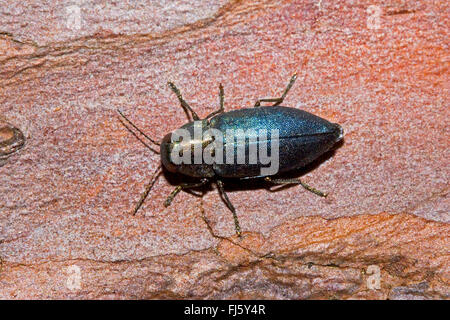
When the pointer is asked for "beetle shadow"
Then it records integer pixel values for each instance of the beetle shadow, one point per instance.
(176, 179)
(231, 184)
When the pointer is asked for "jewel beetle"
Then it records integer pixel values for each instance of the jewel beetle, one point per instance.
(296, 137)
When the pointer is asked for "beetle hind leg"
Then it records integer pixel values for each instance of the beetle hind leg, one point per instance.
(182, 186)
(230, 206)
(278, 101)
(297, 181)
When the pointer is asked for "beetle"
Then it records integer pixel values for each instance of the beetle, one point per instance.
(302, 137)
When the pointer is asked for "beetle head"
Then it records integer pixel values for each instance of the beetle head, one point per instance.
(179, 148)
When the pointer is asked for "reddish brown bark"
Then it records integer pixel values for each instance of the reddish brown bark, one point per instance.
(66, 195)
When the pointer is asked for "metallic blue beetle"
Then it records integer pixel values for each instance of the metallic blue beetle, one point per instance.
(301, 138)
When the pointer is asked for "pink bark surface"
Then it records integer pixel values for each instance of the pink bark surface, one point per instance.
(380, 69)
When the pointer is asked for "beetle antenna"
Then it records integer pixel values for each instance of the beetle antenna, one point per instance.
(137, 137)
(148, 187)
(134, 126)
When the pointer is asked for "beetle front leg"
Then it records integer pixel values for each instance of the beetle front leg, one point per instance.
(296, 181)
(182, 186)
(221, 100)
(279, 100)
(183, 103)
(147, 189)
(230, 206)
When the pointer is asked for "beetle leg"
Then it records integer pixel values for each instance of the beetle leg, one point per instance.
(147, 189)
(183, 103)
(230, 206)
(296, 181)
(279, 100)
(221, 99)
(181, 187)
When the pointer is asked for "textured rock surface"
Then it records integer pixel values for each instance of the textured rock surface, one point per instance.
(65, 231)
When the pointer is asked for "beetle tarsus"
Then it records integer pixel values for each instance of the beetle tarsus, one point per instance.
(171, 196)
(279, 100)
(297, 181)
(183, 103)
(221, 101)
(230, 206)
